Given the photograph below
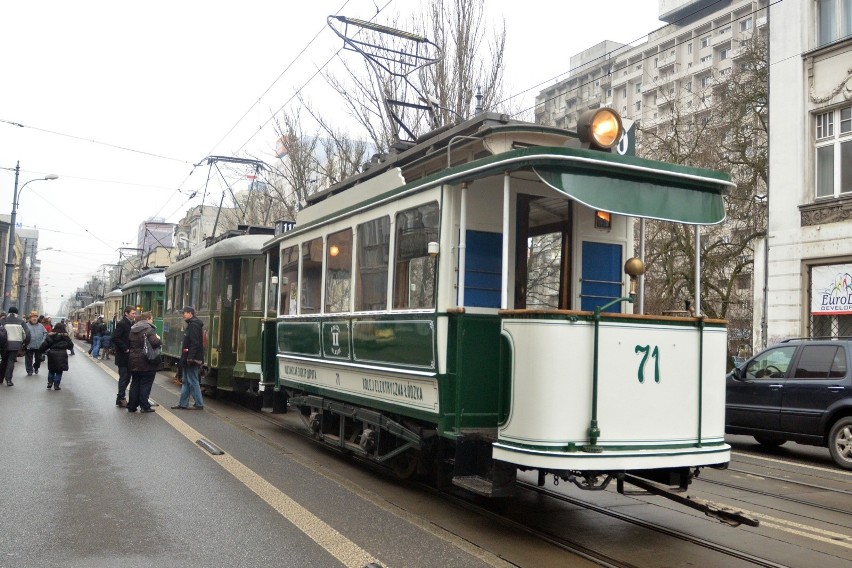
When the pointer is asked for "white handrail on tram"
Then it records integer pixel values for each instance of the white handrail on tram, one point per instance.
(642, 258)
(697, 270)
(462, 244)
(504, 284)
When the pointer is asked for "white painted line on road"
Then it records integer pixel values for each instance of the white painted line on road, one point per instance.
(807, 531)
(841, 540)
(797, 464)
(347, 552)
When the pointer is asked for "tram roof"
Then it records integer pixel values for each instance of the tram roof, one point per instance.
(625, 185)
(152, 278)
(234, 247)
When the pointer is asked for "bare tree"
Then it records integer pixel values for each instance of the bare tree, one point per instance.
(721, 125)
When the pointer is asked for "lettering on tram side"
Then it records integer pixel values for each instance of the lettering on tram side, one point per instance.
(393, 388)
(300, 372)
(646, 349)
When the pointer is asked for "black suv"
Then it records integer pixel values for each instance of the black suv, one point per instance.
(800, 390)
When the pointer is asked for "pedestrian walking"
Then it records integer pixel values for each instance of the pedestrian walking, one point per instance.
(32, 358)
(142, 372)
(191, 360)
(16, 337)
(57, 345)
(99, 329)
(121, 343)
(48, 325)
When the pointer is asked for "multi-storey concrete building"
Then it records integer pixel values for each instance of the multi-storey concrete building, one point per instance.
(678, 62)
(808, 291)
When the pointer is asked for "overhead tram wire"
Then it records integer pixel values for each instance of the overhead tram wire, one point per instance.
(93, 141)
(287, 68)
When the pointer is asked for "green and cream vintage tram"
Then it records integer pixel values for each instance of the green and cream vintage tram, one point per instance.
(461, 308)
(225, 284)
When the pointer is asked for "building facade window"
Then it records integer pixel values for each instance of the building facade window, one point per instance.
(834, 152)
(834, 20)
(746, 24)
(705, 41)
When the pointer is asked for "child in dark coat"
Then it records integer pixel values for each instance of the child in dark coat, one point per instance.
(57, 345)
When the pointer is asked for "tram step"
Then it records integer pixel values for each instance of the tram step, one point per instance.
(481, 486)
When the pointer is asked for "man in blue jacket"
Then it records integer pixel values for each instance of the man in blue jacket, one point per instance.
(17, 336)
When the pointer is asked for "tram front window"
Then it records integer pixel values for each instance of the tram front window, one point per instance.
(543, 260)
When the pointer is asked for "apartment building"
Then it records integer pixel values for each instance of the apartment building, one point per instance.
(678, 63)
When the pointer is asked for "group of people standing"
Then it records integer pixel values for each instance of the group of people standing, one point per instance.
(36, 336)
(136, 373)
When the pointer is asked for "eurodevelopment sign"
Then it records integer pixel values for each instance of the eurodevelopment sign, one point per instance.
(831, 290)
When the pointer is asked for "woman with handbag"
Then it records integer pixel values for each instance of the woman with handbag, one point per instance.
(143, 339)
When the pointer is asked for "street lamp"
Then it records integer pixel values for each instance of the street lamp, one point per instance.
(10, 256)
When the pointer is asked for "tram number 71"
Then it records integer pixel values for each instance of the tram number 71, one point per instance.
(646, 349)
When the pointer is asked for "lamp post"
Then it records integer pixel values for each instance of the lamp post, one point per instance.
(10, 256)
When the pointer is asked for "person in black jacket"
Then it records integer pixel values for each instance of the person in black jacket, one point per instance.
(191, 360)
(57, 345)
(142, 372)
(121, 344)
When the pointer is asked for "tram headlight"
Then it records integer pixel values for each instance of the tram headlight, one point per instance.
(600, 128)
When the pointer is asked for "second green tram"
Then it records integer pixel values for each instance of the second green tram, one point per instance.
(224, 282)
(146, 295)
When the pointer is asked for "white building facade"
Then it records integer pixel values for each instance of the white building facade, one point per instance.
(809, 283)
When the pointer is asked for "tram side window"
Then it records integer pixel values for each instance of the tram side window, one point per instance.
(414, 270)
(371, 284)
(311, 280)
(170, 294)
(186, 300)
(196, 287)
(289, 281)
(177, 285)
(257, 276)
(338, 277)
(204, 301)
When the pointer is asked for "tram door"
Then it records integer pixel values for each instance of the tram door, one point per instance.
(543, 253)
(228, 316)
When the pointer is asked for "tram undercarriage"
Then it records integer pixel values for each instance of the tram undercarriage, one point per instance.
(409, 448)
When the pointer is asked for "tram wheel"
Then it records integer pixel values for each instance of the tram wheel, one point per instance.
(404, 466)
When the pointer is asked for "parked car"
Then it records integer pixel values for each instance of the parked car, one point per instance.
(799, 390)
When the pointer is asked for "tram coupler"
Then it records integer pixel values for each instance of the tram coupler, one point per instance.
(722, 514)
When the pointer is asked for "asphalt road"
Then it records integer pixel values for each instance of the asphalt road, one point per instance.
(88, 484)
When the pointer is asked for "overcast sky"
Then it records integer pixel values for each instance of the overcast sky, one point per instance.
(121, 99)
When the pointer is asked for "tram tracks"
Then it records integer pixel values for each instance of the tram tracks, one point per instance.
(591, 554)
(787, 498)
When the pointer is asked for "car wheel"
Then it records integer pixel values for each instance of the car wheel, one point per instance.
(840, 442)
(768, 442)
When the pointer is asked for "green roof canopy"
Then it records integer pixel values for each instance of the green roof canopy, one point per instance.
(664, 197)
